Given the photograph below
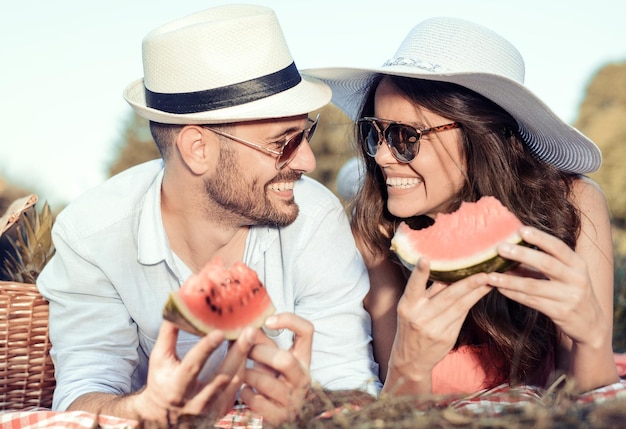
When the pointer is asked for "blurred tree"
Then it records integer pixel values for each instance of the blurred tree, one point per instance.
(602, 117)
(332, 144)
(135, 147)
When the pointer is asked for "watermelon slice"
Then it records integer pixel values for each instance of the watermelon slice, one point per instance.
(222, 298)
(462, 243)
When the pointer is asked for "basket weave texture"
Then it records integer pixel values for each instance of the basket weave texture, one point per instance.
(26, 369)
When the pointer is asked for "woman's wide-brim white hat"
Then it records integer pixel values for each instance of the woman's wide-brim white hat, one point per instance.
(461, 52)
(225, 64)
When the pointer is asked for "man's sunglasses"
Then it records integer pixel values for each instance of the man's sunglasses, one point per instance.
(402, 139)
(289, 147)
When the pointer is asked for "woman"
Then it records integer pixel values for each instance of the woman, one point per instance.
(448, 120)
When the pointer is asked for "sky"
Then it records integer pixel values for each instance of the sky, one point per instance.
(65, 64)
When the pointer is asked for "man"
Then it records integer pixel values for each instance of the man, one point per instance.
(229, 113)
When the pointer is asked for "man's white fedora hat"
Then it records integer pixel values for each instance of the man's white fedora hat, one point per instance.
(461, 52)
(224, 64)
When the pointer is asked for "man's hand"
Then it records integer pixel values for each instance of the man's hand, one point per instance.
(278, 383)
(172, 388)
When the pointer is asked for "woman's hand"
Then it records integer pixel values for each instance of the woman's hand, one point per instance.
(429, 323)
(554, 280)
(277, 385)
(561, 286)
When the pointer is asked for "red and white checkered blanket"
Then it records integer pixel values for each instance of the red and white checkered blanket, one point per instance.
(37, 419)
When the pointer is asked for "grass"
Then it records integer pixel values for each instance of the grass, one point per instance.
(555, 408)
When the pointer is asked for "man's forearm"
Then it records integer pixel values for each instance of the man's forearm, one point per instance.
(132, 406)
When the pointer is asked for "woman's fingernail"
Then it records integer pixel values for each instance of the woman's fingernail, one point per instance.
(505, 248)
(526, 231)
(273, 333)
(268, 328)
(249, 333)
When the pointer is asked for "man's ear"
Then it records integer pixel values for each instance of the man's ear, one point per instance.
(195, 148)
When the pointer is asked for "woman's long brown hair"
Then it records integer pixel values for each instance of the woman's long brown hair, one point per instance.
(500, 164)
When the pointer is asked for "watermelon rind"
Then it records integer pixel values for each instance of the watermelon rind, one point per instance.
(177, 312)
(495, 264)
(486, 262)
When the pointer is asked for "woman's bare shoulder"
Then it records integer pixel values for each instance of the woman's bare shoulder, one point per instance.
(586, 188)
(590, 198)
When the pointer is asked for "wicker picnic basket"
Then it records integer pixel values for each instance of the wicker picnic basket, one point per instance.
(26, 369)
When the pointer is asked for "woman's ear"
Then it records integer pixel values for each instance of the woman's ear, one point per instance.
(195, 148)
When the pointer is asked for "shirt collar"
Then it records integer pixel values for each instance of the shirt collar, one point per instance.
(152, 243)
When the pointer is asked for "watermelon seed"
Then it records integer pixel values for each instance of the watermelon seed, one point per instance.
(213, 307)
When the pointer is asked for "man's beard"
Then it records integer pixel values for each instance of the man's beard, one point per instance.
(247, 203)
